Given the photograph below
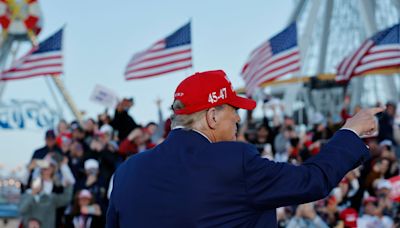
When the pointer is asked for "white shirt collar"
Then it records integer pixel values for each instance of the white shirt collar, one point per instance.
(201, 133)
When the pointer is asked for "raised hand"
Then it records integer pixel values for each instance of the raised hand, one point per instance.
(363, 123)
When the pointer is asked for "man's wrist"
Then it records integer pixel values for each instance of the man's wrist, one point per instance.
(352, 130)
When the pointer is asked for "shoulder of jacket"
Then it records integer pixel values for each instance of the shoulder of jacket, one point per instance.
(235, 146)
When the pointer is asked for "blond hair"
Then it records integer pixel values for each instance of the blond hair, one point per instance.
(188, 121)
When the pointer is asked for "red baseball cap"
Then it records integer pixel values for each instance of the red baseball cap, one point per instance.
(349, 217)
(206, 90)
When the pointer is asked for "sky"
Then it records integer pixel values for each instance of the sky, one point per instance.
(101, 36)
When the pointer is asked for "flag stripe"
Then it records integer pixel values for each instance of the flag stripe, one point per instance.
(160, 72)
(380, 51)
(164, 63)
(31, 64)
(285, 59)
(276, 61)
(273, 76)
(271, 72)
(282, 73)
(36, 72)
(35, 67)
(257, 63)
(45, 59)
(161, 59)
(386, 47)
(390, 62)
(167, 55)
(44, 55)
(260, 53)
(164, 53)
(264, 48)
(266, 74)
(152, 68)
(345, 64)
(27, 76)
(49, 59)
(380, 56)
(355, 59)
(259, 49)
(272, 59)
(158, 69)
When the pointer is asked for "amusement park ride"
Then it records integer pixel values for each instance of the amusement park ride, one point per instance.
(328, 31)
(21, 21)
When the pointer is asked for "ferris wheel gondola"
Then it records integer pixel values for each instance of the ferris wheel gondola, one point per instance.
(20, 18)
(22, 21)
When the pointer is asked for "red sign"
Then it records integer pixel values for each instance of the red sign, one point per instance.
(395, 193)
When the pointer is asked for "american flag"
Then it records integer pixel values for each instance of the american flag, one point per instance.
(378, 52)
(273, 59)
(44, 59)
(167, 55)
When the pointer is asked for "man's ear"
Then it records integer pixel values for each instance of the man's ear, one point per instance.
(211, 118)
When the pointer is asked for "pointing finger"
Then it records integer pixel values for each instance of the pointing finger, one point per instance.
(374, 111)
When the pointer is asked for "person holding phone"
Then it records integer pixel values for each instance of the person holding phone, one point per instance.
(41, 201)
(122, 121)
(85, 212)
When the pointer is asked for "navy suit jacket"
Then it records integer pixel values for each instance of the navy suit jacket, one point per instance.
(186, 181)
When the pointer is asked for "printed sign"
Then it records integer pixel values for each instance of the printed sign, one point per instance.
(27, 114)
(104, 96)
(395, 192)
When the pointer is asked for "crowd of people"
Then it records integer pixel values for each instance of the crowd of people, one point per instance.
(70, 178)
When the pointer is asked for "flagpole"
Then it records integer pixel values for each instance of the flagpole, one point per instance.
(13, 57)
(59, 107)
(5, 47)
(67, 98)
(60, 85)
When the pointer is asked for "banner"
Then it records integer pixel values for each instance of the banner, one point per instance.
(27, 114)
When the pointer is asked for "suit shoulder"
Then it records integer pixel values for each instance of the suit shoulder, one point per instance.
(236, 147)
(239, 145)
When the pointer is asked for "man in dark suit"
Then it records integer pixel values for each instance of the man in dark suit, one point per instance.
(200, 177)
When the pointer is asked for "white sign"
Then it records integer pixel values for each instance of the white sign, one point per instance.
(104, 96)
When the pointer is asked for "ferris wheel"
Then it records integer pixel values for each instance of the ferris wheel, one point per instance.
(21, 21)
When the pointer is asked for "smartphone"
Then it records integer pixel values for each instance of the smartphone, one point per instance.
(91, 209)
(37, 183)
(42, 163)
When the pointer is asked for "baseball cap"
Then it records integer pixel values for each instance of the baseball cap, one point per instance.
(386, 142)
(76, 126)
(206, 90)
(50, 134)
(91, 164)
(106, 129)
(383, 183)
(349, 217)
(84, 193)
